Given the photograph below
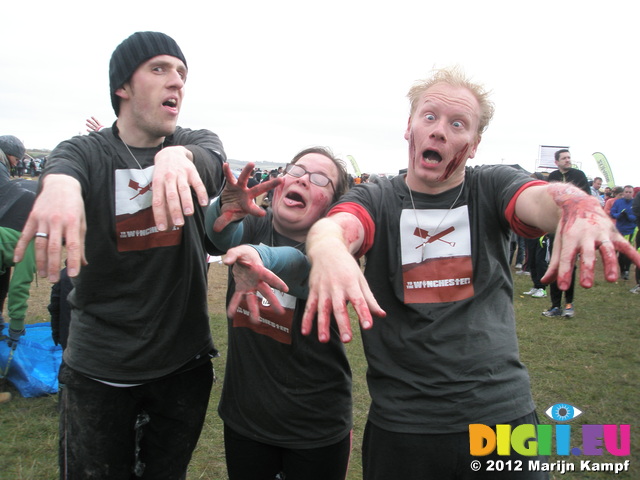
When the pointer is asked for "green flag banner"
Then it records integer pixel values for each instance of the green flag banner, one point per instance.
(605, 169)
(355, 166)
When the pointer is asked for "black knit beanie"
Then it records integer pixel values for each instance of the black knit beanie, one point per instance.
(138, 48)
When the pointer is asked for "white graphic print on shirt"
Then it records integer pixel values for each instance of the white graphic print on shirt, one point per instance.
(436, 259)
(275, 326)
(135, 226)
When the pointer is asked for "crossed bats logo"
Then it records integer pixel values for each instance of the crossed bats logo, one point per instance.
(139, 188)
(424, 234)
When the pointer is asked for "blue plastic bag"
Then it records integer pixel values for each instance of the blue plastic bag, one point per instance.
(35, 363)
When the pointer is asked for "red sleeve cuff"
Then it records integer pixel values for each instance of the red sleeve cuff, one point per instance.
(365, 219)
(517, 225)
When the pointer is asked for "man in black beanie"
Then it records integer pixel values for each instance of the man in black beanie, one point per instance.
(127, 202)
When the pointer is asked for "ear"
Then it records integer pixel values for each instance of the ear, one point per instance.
(407, 132)
(123, 92)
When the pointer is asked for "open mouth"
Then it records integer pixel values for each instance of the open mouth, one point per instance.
(293, 199)
(431, 156)
(172, 102)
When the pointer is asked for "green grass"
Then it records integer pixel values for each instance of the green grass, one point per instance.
(591, 362)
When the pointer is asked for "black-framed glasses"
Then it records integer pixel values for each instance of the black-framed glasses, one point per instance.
(317, 178)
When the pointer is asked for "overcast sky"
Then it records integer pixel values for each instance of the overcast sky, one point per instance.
(271, 78)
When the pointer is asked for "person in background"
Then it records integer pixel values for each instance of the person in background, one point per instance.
(565, 174)
(11, 151)
(442, 351)
(622, 212)
(616, 193)
(636, 211)
(533, 254)
(93, 125)
(59, 309)
(538, 254)
(269, 197)
(257, 175)
(517, 248)
(299, 425)
(16, 201)
(595, 190)
(137, 370)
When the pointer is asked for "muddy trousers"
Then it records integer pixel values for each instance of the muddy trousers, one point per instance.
(147, 431)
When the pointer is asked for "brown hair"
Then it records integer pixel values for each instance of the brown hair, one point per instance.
(343, 177)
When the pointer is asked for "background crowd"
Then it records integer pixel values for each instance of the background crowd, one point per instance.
(531, 256)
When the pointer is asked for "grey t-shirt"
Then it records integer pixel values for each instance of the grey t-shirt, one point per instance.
(446, 355)
(139, 308)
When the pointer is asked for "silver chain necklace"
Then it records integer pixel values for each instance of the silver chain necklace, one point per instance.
(136, 160)
(437, 229)
(132, 155)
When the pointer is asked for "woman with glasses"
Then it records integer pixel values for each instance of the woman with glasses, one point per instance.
(286, 398)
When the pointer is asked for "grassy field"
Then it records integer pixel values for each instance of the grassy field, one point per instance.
(591, 362)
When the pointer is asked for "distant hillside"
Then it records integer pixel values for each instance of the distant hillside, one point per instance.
(38, 153)
(239, 164)
(235, 164)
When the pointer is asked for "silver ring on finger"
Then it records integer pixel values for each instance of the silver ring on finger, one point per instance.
(42, 235)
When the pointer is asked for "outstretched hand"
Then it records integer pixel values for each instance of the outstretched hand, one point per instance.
(250, 277)
(583, 229)
(174, 176)
(237, 198)
(331, 288)
(57, 220)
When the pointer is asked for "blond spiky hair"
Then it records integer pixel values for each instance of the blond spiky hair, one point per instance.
(456, 77)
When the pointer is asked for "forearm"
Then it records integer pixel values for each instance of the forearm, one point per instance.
(331, 242)
(230, 236)
(208, 155)
(202, 143)
(542, 206)
(340, 232)
(60, 184)
(290, 264)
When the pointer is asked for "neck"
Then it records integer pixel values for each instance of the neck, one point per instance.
(293, 235)
(135, 137)
(417, 185)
